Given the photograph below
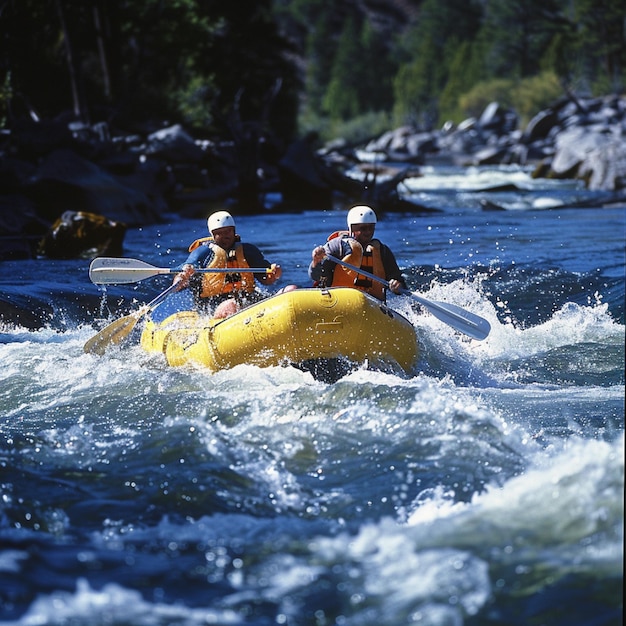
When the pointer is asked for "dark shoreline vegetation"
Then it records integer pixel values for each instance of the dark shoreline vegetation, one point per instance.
(115, 114)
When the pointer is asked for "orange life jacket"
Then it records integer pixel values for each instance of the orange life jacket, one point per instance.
(214, 284)
(368, 259)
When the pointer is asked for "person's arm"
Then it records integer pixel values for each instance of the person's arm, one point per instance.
(255, 258)
(392, 271)
(315, 267)
(196, 259)
(322, 268)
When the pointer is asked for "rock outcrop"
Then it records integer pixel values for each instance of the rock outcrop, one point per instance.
(576, 139)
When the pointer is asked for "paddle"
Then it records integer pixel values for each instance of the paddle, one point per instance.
(465, 322)
(110, 271)
(121, 328)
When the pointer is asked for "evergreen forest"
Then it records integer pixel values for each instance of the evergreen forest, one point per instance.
(349, 68)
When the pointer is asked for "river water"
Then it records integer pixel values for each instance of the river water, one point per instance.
(485, 488)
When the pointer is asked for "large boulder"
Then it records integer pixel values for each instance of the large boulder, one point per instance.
(20, 227)
(67, 180)
(592, 154)
(77, 234)
(174, 144)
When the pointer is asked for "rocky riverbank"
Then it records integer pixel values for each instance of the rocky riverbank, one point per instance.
(70, 190)
(576, 138)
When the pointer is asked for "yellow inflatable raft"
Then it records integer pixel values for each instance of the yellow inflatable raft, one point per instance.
(308, 328)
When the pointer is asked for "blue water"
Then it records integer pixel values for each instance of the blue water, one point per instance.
(485, 488)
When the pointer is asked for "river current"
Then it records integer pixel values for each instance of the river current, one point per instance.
(487, 488)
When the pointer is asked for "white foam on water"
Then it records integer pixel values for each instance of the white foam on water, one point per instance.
(114, 604)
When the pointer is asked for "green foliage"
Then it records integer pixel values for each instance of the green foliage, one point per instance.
(526, 96)
(355, 131)
(431, 48)
(168, 63)
(203, 62)
(361, 128)
(321, 34)
(342, 96)
(376, 69)
(535, 93)
(414, 91)
(6, 93)
(601, 42)
(361, 72)
(473, 102)
(559, 58)
(466, 70)
(191, 101)
(133, 62)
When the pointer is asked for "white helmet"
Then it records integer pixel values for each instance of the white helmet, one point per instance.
(221, 219)
(361, 215)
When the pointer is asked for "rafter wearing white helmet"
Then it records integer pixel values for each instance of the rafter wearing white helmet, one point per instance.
(220, 219)
(361, 251)
(361, 215)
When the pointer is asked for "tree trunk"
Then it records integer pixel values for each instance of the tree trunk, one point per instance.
(71, 64)
(106, 77)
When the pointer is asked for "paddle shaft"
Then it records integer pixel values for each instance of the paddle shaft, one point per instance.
(109, 271)
(118, 330)
(166, 270)
(148, 307)
(468, 323)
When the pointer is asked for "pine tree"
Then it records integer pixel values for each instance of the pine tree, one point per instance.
(341, 101)
(601, 42)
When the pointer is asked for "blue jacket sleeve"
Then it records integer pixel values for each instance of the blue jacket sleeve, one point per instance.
(199, 258)
(255, 258)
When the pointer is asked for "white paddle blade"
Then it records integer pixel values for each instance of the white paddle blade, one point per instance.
(113, 271)
(464, 321)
